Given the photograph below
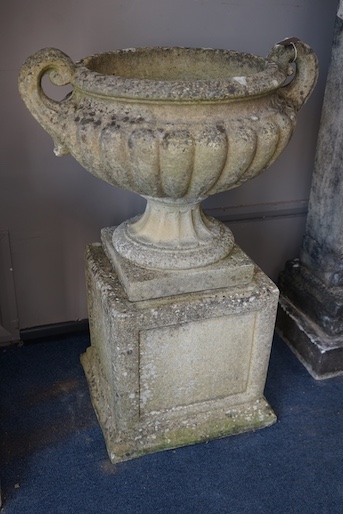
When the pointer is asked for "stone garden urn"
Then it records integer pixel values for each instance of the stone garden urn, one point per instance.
(174, 125)
(181, 320)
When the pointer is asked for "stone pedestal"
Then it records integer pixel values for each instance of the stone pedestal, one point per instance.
(311, 307)
(180, 369)
(181, 320)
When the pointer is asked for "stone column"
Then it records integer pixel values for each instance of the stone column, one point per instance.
(310, 317)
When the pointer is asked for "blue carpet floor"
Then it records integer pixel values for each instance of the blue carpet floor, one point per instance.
(53, 457)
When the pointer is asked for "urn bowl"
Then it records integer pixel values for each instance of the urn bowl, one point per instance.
(174, 125)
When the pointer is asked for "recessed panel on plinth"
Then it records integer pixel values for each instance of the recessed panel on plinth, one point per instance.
(195, 361)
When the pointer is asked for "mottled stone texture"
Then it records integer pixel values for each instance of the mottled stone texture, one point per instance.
(144, 283)
(311, 311)
(181, 320)
(177, 370)
(174, 125)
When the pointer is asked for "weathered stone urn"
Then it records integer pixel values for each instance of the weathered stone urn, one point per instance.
(181, 319)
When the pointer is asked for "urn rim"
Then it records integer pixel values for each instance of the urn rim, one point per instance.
(179, 74)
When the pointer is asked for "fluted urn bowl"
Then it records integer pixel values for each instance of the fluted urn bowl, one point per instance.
(174, 125)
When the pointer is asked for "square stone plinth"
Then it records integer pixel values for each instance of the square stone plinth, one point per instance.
(177, 370)
(143, 284)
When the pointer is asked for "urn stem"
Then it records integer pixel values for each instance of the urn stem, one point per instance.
(173, 234)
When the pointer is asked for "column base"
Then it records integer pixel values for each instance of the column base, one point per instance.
(321, 354)
(310, 320)
(179, 370)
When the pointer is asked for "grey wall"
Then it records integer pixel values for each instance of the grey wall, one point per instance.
(52, 208)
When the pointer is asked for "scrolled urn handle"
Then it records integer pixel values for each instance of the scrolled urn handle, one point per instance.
(48, 112)
(292, 50)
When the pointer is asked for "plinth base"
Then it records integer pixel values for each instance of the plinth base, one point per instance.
(178, 370)
(321, 354)
(144, 284)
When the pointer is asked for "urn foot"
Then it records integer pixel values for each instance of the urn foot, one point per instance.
(144, 284)
(173, 234)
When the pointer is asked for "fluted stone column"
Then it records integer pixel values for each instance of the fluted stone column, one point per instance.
(310, 317)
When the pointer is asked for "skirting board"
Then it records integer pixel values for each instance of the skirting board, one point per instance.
(53, 330)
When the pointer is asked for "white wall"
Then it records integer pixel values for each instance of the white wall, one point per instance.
(52, 208)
